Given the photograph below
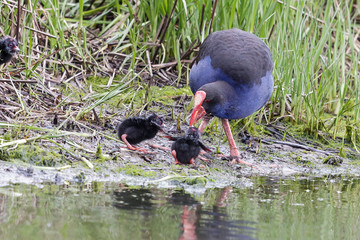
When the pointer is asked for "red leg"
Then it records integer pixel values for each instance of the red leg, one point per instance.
(173, 152)
(202, 158)
(204, 123)
(202, 152)
(233, 149)
(131, 147)
(160, 147)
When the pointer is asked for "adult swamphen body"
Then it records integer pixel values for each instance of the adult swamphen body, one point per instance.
(186, 148)
(231, 79)
(8, 47)
(137, 129)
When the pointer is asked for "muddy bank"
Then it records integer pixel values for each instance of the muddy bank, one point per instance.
(118, 164)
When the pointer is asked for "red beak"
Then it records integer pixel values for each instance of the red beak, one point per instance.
(16, 49)
(198, 111)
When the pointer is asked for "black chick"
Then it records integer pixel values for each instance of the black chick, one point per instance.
(8, 47)
(137, 129)
(185, 149)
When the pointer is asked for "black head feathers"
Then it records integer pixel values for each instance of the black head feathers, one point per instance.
(8, 47)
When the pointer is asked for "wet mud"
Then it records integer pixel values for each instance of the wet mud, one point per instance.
(118, 164)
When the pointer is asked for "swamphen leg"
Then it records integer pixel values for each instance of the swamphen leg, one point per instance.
(204, 123)
(173, 153)
(131, 147)
(233, 149)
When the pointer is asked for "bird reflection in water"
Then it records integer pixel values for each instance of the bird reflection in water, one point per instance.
(197, 221)
(189, 221)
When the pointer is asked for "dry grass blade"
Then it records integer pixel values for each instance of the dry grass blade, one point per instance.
(212, 16)
(165, 29)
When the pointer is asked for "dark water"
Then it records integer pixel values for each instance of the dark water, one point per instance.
(270, 209)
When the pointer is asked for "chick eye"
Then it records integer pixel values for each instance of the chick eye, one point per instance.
(207, 100)
(11, 45)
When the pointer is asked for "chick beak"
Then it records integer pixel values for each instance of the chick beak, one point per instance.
(16, 49)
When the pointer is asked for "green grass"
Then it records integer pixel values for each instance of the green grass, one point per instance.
(314, 44)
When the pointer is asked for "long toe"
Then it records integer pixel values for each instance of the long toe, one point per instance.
(238, 159)
(159, 147)
(143, 150)
(203, 158)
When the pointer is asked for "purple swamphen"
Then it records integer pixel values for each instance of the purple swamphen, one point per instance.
(137, 129)
(186, 148)
(231, 79)
(8, 47)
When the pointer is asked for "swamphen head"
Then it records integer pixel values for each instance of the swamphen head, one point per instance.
(8, 47)
(155, 120)
(193, 134)
(231, 77)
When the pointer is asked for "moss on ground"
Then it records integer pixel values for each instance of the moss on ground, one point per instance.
(34, 154)
(134, 170)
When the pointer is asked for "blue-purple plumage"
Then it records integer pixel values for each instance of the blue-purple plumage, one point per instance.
(234, 68)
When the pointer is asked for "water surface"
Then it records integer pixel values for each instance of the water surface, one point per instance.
(273, 208)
